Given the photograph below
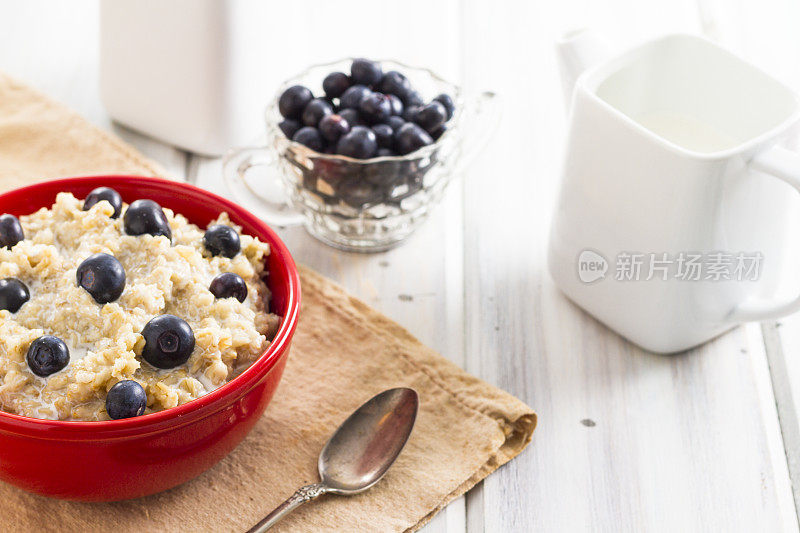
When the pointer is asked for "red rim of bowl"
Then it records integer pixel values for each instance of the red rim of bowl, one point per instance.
(200, 407)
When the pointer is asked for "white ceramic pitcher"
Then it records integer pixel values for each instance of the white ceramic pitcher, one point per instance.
(674, 159)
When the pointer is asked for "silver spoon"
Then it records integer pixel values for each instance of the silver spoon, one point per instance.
(359, 453)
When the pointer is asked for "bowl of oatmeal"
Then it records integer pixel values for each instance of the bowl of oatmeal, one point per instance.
(144, 327)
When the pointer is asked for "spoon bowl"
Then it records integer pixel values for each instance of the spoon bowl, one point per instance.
(368, 442)
(360, 452)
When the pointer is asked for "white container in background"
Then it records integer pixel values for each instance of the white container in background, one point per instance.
(675, 176)
(193, 73)
(199, 73)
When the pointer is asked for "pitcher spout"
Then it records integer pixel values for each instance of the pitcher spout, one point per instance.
(578, 50)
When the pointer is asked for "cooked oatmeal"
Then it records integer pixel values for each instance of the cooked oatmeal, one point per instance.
(105, 340)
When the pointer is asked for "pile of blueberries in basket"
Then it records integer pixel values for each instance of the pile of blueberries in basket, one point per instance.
(365, 114)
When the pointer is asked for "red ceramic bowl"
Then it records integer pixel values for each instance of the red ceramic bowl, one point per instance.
(120, 459)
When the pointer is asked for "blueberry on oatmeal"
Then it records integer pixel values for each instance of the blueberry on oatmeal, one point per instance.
(104, 193)
(10, 231)
(102, 276)
(229, 285)
(13, 293)
(126, 399)
(47, 355)
(145, 217)
(168, 341)
(222, 240)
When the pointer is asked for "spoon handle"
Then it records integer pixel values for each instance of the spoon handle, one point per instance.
(303, 495)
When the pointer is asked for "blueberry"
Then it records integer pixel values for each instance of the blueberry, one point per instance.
(168, 341)
(385, 152)
(289, 127)
(315, 111)
(395, 123)
(395, 83)
(397, 104)
(383, 134)
(104, 193)
(126, 399)
(360, 143)
(431, 117)
(448, 104)
(310, 137)
(228, 285)
(352, 97)
(375, 108)
(10, 231)
(352, 117)
(335, 84)
(412, 98)
(410, 113)
(145, 217)
(222, 240)
(13, 293)
(366, 72)
(333, 127)
(438, 132)
(47, 355)
(411, 138)
(293, 101)
(102, 276)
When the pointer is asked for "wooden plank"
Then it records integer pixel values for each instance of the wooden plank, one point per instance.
(627, 441)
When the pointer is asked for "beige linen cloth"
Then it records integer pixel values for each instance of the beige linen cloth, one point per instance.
(344, 352)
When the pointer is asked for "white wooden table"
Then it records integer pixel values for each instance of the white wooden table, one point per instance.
(627, 441)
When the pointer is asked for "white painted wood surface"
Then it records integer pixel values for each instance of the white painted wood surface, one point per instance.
(627, 441)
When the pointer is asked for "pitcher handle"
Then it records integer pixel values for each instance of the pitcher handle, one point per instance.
(235, 165)
(783, 164)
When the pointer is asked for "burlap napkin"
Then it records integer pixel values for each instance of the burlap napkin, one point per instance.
(343, 353)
